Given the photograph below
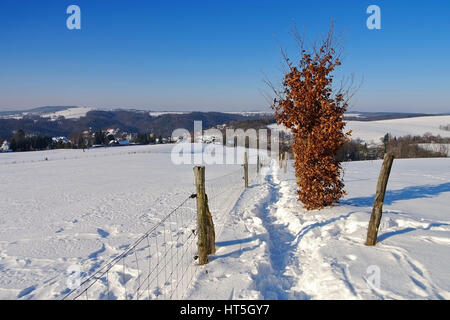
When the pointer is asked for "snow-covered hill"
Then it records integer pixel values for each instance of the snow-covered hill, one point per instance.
(48, 112)
(70, 113)
(373, 131)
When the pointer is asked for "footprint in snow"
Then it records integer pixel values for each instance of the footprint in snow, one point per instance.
(124, 277)
(102, 233)
(26, 291)
(95, 254)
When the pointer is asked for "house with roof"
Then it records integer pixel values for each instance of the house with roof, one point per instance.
(5, 147)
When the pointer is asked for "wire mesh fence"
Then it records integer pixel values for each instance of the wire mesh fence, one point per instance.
(158, 265)
(161, 264)
(223, 193)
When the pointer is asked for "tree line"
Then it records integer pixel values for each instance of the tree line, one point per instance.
(400, 147)
(20, 141)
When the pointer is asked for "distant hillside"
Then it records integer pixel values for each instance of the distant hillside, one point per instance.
(375, 116)
(132, 121)
(36, 111)
(414, 126)
(67, 120)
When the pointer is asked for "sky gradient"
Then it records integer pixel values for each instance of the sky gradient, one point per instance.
(211, 55)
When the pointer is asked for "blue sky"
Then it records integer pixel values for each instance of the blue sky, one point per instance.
(212, 55)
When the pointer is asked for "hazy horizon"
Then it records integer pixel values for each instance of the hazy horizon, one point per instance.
(192, 109)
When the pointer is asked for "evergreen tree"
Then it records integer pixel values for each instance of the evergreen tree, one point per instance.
(100, 137)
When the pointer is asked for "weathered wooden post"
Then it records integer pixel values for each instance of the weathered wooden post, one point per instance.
(280, 159)
(205, 226)
(246, 169)
(210, 232)
(377, 210)
(257, 164)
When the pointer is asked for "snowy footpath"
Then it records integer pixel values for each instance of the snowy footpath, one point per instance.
(271, 248)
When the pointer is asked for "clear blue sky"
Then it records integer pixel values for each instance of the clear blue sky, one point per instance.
(211, 55)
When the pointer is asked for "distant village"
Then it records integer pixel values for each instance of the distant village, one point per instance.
(111, 137)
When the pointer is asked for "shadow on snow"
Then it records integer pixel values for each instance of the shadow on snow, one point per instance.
(408, 193)
(387, 235)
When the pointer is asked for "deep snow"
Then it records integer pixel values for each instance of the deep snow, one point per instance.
(68, 207)
(273, 249)
(65, 207)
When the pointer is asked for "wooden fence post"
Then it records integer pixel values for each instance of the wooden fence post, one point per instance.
(280, 159)
(245, 169)
(257, 164)
(210, 232)
(205, 225)
(377, 210)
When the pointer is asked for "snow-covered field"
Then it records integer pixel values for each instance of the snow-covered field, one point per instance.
(65, 207)
(272, 248)
(160, 113)
(373, 131)
(70, 113)
(81, 208)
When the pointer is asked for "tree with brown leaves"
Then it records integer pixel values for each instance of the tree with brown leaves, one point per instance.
(314, 112)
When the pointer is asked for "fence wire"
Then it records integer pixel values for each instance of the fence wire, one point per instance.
(223, 193)
(161, 264)
(158, 265)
